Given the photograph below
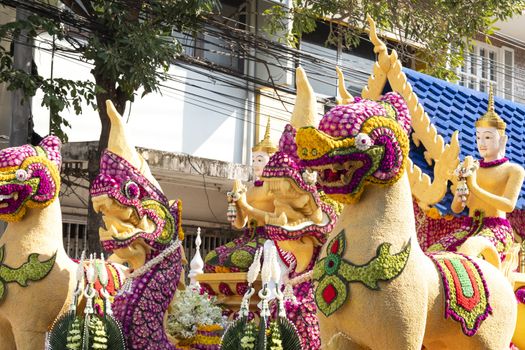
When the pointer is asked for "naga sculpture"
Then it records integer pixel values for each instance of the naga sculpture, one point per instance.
(37, 277)
(143, 229)
(373, 271)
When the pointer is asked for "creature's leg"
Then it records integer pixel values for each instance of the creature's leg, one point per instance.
(339, 341)
(29, 340)
(7, 340)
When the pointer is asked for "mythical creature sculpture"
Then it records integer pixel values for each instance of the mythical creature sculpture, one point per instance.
(373, 271)
(37, 277)
(143, 229)
(31, 247)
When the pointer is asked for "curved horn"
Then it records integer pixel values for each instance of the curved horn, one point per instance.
(345, 96)
(305, 109)
(120, 144)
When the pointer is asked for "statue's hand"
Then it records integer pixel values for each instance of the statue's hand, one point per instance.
(237, 193)
(236, 197)
(471, 167)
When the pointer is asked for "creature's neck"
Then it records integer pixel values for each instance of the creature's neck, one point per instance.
(149, 300)
(383, 214)
(40, 231)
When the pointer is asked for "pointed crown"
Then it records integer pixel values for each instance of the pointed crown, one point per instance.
(491, 118)
(266, 145)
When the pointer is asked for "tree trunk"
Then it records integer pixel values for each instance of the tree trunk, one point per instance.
(21, 127)
(94, 220)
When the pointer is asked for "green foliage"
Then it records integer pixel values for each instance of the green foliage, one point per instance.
(58, 94)
(433, 26)
(129, 43)
(76, 332)
(231, 339)
(289, 335)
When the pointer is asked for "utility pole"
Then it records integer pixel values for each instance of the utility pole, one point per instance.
(21, 106)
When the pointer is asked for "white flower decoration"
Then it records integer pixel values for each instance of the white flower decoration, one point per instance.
(363, 142)
(310, 177)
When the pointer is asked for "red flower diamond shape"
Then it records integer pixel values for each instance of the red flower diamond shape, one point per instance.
(329, 293)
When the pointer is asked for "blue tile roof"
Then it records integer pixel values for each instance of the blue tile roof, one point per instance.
(452, 107)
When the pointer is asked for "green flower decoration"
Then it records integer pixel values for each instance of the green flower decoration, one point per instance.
(335, 273)
(32, 270)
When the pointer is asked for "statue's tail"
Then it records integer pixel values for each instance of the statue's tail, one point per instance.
(480, 246)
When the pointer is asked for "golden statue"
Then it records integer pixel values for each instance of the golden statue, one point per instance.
(237, 255)
(490, 189)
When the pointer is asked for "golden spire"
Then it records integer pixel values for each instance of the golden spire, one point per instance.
(344, 96)
(266, 145)
(305, 108)
(491, 118)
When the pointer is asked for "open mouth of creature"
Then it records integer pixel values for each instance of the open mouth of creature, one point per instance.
(122, 224)
(342, 173)
(298, 255)
(12, 196)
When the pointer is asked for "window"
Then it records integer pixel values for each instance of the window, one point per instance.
(75, 239)
(489, 65)
(508, 73)
(213, 44)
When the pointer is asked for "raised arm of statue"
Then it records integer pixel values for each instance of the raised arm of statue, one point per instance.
(507, 200)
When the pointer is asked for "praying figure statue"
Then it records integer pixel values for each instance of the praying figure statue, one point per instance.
(236, 256)
(489, 188)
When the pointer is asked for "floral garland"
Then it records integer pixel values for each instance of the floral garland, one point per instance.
(147, 266)
(492, 163)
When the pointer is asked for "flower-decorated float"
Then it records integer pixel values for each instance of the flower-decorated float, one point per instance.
(373, 271)
(143, 229)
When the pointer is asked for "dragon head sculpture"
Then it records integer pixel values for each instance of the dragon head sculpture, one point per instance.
(302, 216)
(136, 213)
(356, 143)
(29, 177)
(301, 220)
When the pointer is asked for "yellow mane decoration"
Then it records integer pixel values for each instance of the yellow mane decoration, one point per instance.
(266, 145)
(444, 156)
(491, 119)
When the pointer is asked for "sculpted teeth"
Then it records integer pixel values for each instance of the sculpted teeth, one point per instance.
(7, 196)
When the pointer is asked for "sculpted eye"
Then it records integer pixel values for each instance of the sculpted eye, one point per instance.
(363, 142)
(21, 175)
(131, 190)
